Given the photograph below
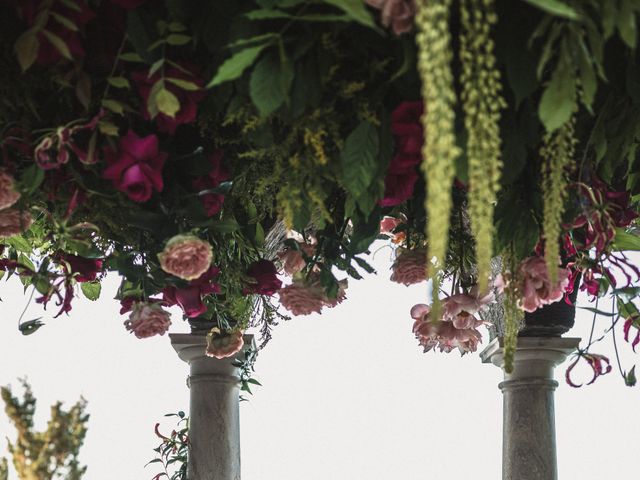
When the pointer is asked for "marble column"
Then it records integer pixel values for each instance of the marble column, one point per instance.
(214, 416)
(528, 432)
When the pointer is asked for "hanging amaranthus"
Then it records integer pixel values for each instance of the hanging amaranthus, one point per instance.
(482, 103)
(557, 153)
(439, 151)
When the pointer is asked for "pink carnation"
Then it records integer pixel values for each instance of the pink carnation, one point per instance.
(13, 222)
(410, 266)
(223, 346)
(147, 320)
(536, 287)
(395, 13)
(8, 193)
(186, 257)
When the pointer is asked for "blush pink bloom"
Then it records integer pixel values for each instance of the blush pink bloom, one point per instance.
(14, 221)
(460, 309)
(8, 193)
(293, 260)
(147, 320)
(536, 287)
(223, 346)
(301, 299)
(410, 266)
(397, 14)
(442, 333)
(263, 278)
(186, 257)
(136, 167)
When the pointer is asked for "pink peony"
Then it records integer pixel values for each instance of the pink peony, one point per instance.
(186, 257)
(190, 298)
(8, 193)
(147, 320)
(188, 98)
(398, 14)
(136, 168)
(410, 266)
(212, 202)
(13, 222)
(223, 346)
(293, 260)
(263, 278)
(536, 287)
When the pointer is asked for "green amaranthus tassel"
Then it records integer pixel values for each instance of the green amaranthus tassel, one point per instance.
(557, 153)
(439, 151)
(482, 103)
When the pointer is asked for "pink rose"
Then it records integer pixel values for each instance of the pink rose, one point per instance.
(186, 257)
(188, 98)
(263, 278)
(223, 346)
(212, 202)
(191, 297)
(293, 260)
(136, 168)
(13, 222)
(85, 269)
(8, 193)
(410, 266)
(536, 287)
(395, 13)
(301, 299)
(147, 320)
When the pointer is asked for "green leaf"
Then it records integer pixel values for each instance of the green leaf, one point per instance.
(91, 290)
(113, 105)
(178, 39)
(356, 10)
(57, 42)
(31, 179)
(267, 87)
(64, 21)
(630, 379)
(119, 82)
(359, 158)
(266, 14)
(235, 66)
(624, 241)
(558, 100)
(19, 243)
(223, 226)
(30, 326)
(167, 102)
(555, 7)
(26, 48)
(588, 82)
(626, 23)
(131, 57)
(183, 84)
(598, 312)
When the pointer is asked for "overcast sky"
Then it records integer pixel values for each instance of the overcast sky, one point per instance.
(346, 395)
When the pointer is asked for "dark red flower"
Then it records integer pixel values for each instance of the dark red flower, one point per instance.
(136, 167)
(632, 321)
(212, 202)
(84, 269)
(190, 298)
(598, 363)
(188, 97)
(263, 278)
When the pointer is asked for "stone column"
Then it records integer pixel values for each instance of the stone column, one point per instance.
(528, 432)
(214, 416)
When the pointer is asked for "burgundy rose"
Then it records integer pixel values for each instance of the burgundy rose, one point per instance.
(147, 320)
(8, 193)
(14, 221)
(136, 167)
(263, 278)
(188, 98)
(212, 202)
(397, 14)
(186, 257)
(410, 266)
(224, 345)
(190, 298)
(85, 269)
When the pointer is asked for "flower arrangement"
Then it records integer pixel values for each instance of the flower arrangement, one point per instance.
(208, 152)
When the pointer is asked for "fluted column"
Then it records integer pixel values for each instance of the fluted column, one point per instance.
(214, 414)
(528, 433)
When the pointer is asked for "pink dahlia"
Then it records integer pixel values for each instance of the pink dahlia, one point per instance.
(147, 320)
(410, 266)
(222, 346)
(536, 287)
(13, 222)
(136, 167)
(186, 257)
(8, 193)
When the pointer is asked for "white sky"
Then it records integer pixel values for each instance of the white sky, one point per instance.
(346, 395)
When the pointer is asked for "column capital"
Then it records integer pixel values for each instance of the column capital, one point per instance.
(191, 349)
(535, 357)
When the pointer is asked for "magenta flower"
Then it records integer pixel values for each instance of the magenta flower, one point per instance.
(136, 167)
(632, 321)
(212, 202)
(263, 278)
(598, 363)
(191, 297)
